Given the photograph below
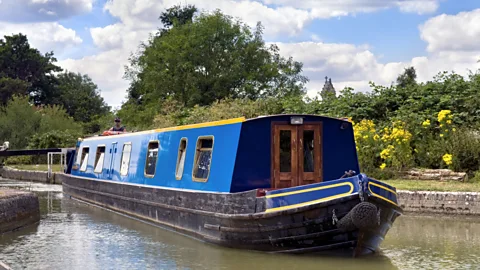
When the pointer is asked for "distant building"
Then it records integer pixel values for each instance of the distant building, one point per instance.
(328, 87)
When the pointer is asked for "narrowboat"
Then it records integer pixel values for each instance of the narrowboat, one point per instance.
(280, 183)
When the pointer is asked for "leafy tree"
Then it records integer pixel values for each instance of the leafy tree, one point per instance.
(10, 87)
(80, 97)
(213, 58)
(408, 77)
(19, 121)
(26, 67)
(178, 15)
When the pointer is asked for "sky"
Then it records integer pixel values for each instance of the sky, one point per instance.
(352, 42)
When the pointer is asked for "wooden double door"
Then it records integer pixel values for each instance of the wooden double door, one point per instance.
(296, 155)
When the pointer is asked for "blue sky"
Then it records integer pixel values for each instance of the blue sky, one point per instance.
(352, 41)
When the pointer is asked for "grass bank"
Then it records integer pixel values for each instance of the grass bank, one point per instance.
(38, 167)
(431, 185)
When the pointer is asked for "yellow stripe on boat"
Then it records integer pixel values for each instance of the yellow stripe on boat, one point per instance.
(309, 190)
(380, 196)
(314, 201)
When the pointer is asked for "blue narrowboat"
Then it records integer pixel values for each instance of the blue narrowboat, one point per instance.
(281, 183)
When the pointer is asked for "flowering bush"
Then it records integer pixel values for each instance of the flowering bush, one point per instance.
(429, 143)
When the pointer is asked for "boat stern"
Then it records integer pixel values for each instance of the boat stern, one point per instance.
(374, 207)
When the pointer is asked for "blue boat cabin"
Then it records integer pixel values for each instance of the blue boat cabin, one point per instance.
(232, 155)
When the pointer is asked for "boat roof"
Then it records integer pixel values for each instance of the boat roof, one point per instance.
(210, 124)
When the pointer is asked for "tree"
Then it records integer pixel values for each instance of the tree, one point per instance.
(213, 58)
(408, 77)
(80, 97)
(26, 68)
(20, 121)
(178, 15)
(10, 87)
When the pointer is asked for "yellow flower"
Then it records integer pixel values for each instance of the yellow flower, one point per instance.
(376, 137)
(365, 137)
(442, 114)
(385, 153)
(383, 166)
(454, 129)
(447, 158)
(446, 130)
(449, 122)
(416, 151)
(426, 123)
(441, 135)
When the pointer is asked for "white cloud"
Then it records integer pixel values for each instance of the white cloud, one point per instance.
(334, 8)
(47, 36)
(42, 10)
(418, 6)
(140, 14)
(452, 32)
(347, 64)
(355, 66)
(106, 70)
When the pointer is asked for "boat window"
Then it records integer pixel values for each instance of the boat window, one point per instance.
(285, 151)
(203, 159)
(125, 163)
(151, 161)
(78, 160)
(99, 158)
(182, 152)
(308, 151)
(85, 151)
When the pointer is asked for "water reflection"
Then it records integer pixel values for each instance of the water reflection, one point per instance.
(73, 235)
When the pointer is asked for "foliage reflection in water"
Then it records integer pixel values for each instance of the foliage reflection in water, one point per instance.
(73, 235)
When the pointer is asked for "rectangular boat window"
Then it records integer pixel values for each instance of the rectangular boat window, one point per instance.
(203, 159)
(125, 162)
(182, 152)
(151, 161)
(99, 158)
(85, 151)
(285, 151)
(78, 159)
(308, 151)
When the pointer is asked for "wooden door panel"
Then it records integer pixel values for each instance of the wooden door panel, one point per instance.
(296, 154)
(285, 167)
(309, 154)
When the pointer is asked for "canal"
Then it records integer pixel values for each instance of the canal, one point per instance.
(73, 235)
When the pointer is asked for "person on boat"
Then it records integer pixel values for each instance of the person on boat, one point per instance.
(117, 127)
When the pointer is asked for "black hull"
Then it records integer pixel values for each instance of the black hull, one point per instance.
(238, 220)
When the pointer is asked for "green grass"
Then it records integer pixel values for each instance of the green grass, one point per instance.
(432, 185)
(39, 167)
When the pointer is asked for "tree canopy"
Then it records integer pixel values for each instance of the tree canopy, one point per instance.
(199, 60)
(80, 97)
(24, 70)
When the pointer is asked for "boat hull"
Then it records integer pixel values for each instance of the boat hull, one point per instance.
(239, 220)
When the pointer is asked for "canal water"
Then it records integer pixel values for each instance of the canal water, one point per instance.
(74, 235)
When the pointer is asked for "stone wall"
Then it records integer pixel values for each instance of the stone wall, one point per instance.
(25, 175)
(456, 203)
(17, 209)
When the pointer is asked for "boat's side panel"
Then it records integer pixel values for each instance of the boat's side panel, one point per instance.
(253, 165)
(225, 143)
